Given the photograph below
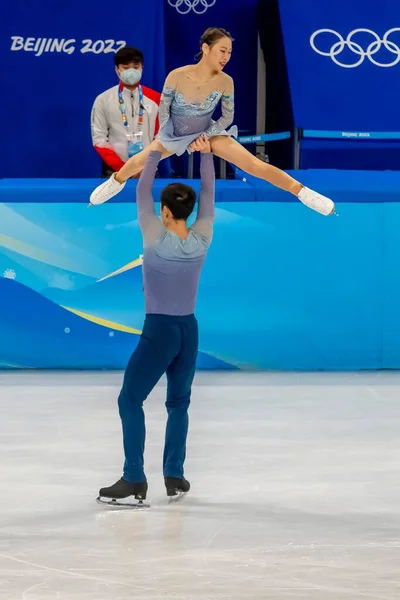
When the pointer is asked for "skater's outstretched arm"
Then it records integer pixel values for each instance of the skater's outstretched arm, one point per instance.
(206, 211)
(149, 223)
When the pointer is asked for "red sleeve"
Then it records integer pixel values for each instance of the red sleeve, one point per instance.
(156, 97)
(110, 157)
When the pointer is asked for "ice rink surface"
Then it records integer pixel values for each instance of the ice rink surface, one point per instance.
(295, 490)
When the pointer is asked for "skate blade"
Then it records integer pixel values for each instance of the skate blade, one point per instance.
(177, 497)
(121, 504)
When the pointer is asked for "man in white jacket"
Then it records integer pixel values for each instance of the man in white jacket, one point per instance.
(124, 117)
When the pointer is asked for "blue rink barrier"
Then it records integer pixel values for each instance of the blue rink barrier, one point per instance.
(283, 288)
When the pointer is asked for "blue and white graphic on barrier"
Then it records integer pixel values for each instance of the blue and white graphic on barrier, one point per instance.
(53, 63)
(344, 63)
(282, 287)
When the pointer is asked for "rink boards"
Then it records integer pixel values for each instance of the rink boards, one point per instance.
(282, 288)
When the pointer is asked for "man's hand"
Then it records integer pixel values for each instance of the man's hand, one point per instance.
(202, 144)
(157, 146)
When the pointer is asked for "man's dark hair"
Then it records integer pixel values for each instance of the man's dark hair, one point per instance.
(128, 54)
(180, 199)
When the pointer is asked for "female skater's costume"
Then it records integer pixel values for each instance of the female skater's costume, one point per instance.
(186, 109)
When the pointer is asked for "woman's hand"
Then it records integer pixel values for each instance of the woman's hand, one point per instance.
(201, 144)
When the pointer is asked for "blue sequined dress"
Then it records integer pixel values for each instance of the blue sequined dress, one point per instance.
(186, 109)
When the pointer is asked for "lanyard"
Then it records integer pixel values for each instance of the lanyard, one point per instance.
(122, 107)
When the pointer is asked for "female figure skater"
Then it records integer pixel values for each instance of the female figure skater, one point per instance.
(190, 96)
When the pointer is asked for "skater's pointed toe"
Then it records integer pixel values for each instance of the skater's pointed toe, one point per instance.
(105, 191)
(325, 206)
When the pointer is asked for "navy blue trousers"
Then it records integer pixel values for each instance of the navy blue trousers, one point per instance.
(168, 344)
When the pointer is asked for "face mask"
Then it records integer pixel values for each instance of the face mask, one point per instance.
(130, 76)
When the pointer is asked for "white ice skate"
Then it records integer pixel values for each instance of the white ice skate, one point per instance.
(316, 201)
(106, 190)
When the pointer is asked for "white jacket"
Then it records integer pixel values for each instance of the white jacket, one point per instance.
(108, 131)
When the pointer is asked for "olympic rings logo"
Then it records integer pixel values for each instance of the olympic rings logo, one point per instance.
(357, 49)
(185, 6)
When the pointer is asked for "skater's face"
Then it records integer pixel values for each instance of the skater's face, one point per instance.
(219, 54)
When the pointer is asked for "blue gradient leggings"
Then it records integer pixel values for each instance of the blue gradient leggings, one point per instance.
(168, 344)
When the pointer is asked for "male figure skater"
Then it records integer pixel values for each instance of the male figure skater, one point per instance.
(173, 257)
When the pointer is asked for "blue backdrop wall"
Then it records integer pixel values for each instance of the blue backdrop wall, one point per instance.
(53, 63)
(343, 62)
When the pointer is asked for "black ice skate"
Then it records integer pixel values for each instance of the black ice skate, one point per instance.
(176, 488)
(117, 493)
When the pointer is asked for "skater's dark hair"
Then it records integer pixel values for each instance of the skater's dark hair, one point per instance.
(211, 36)
(128, 54)
(180, 199)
